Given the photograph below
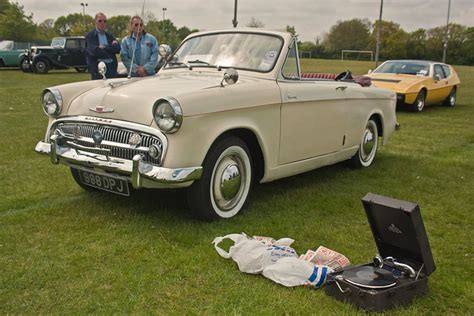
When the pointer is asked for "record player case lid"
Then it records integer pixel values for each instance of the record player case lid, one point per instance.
(399, 231)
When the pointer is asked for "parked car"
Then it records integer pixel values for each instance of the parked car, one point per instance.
(9, 54)
(64, 52)
(229, 108)
(418, 82)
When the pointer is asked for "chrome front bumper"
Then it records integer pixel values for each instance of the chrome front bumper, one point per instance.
(140, 173)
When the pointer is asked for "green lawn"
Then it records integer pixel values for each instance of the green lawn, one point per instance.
(65, 251)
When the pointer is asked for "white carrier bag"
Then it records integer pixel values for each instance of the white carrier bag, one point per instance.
(251, 254)
(294, 272)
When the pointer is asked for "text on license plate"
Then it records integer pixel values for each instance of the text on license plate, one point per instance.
(107, 183)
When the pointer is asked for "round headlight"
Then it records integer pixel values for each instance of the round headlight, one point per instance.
(168, 115)
(52, 102)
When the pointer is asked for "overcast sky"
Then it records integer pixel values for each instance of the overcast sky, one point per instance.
(311, 18)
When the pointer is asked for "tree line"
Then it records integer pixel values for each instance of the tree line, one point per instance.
(18, 26)
(355, 34)
(395, 43)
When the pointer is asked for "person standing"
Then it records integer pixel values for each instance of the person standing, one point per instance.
(101, 46)
(142, 47)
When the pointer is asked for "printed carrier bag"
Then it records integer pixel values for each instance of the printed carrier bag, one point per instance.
(254, 254)
(294, 272)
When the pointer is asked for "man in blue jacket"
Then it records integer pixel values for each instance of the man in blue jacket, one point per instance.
(101, 46)
(139, 50)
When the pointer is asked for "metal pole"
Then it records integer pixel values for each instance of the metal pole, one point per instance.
(234, 21)
(164, 10)
(377, 48)
(447, 34)
(84, 5)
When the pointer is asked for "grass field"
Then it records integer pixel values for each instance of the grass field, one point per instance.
(65, 251)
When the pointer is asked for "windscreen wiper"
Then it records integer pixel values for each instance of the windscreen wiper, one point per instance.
(180, 63)
(197, 61)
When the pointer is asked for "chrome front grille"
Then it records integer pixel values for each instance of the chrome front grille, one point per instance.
(114, 138)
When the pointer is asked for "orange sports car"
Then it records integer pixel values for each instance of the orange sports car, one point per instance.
(418, 82)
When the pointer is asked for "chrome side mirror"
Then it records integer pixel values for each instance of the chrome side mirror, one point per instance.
(164, 51)
(102, 68)
(231, 76)
(370, 71)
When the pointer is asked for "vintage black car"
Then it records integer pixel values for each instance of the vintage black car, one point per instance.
(64, 52)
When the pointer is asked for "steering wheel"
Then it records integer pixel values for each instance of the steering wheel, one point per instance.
(345, 75)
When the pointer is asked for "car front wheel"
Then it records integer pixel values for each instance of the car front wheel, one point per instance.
(41, 66)
(225, 183)
(368, 146)
(419, 102)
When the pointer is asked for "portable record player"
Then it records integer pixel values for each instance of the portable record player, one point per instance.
(400, 271)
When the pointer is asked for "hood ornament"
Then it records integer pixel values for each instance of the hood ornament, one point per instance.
(101, 109)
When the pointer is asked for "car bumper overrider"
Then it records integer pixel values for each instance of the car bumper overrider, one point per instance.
(114, 157)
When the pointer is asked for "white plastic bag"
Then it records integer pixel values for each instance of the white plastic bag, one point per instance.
(252, 255)
(294, 272)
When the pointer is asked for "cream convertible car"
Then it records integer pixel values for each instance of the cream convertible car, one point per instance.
(230, 107)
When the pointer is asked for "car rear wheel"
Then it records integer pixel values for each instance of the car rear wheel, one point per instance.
(80, 69)
(25, 65)
(2, 64)
(419, 102)
(41, 66)
(451, 99)
(225, 183)
(368, 146)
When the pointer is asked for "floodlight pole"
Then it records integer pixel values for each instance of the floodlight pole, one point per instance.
(447, 34)
(234, 21)
(84, 5)
(377, 47)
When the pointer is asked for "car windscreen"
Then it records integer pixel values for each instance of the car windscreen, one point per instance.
(6, 45)
(58, 42)
(257, 52)
(408, 68)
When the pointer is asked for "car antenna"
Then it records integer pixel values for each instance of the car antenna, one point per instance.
(135, 44)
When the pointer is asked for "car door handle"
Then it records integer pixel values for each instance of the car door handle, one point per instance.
(292, 97)
(342, 88)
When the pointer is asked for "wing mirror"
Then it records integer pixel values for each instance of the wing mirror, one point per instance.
(370, 71)
(164, 51)
(231, 76)
(102, 68)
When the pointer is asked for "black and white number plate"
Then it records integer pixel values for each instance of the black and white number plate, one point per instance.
(106, 183)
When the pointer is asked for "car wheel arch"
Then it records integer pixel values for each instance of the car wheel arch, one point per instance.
(249, 137)
(377, 117)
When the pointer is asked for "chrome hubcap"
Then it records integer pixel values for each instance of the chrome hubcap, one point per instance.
(369, 143)
(40, 66)
(229, 179)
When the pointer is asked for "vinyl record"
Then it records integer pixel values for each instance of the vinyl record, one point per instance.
(370, 277)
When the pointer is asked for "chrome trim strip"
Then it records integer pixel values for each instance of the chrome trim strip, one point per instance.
(136, 169)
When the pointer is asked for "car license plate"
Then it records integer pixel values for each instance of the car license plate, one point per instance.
(106, 183)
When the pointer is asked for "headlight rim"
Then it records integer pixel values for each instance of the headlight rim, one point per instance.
(57, 97)
(178, 114)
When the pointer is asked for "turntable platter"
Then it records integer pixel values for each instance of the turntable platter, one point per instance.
(370, 277)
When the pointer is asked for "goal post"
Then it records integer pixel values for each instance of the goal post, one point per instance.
(350, 51)
(305, 54)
